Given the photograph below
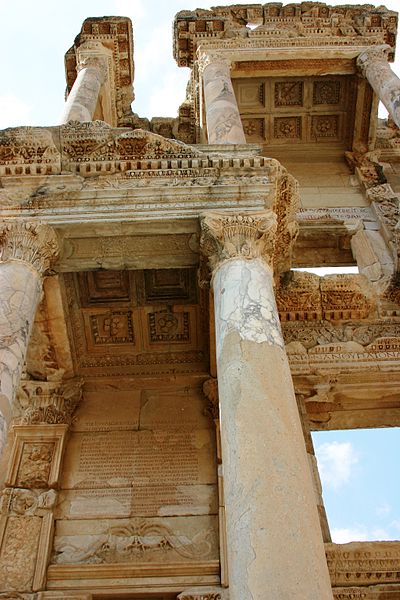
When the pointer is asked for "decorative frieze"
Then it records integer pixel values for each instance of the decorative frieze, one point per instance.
(363, 563)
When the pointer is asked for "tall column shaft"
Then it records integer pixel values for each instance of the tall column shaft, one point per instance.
(275, 547)
(20, 292)
(92, 72)
(82, 100)
(373, 63)
(224, 125)
(27, 251)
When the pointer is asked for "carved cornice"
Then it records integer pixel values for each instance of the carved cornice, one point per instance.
(246, 236)
(49, 402)
(363, 563)
(29, 242)
(373, 54)
(307, 24)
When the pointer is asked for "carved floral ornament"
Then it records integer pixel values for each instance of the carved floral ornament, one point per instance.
(29, 242)
(246, 236)
(212, 57)
(49, 402)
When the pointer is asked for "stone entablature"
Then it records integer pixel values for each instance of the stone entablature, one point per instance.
(277, 26)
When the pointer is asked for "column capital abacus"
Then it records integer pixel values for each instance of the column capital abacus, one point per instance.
(212, 57)
(242, 235)
(372, 54)
(93, 54)
(27, 241)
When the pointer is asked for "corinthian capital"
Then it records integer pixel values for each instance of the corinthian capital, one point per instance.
(93, 54)
(29, 242)
(49, 402)
(245, 236)
(211, 57)
(370, 55)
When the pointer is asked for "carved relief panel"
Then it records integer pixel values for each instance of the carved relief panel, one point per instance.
(301, 110)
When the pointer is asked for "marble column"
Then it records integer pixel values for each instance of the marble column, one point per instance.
(373, 64)
(274, 541)
(27, 252)
(224, 125)
(92, 73)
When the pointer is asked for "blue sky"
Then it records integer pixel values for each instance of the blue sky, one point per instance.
(359, 469)
(360, 479)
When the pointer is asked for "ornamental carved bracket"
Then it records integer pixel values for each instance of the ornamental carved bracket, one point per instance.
(30, 242)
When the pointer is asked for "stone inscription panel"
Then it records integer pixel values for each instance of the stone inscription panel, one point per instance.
(140, 453)
(125, 458)
(108, 410)
(139, 500)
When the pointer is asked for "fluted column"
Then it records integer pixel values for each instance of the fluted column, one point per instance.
(27, 252)
(224, 125)
(274, 542)
(92, 73)
(373, 64)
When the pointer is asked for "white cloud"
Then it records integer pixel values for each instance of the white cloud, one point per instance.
(13, 111)
(335, 462)
(349, 534)
(359, 533)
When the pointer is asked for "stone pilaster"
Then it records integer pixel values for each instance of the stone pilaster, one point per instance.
(28, 500)
(210, 389)
(27, 253)
(373, 64)
(92, 73)
(273, 535)
(224, 125)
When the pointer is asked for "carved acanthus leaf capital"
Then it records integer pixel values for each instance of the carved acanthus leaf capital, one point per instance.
(49, 402)
(247, 236)
(212, 57)
(29, 242)
(372, 54)
(93, 54)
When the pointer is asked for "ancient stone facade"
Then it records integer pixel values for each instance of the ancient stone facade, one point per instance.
(162, 364)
